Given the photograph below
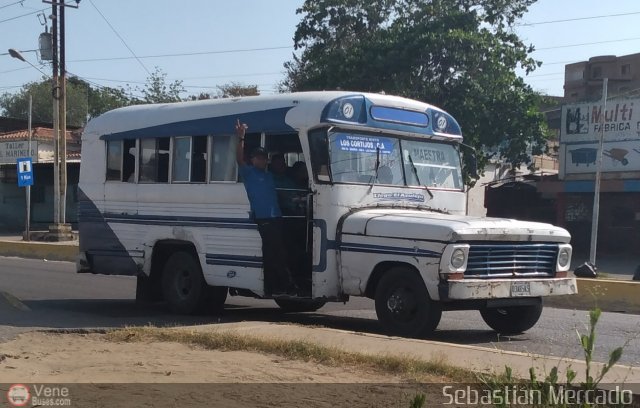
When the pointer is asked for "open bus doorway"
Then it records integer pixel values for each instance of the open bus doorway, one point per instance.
(287, 165)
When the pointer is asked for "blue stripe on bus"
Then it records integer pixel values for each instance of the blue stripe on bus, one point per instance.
(234, 260)
(388, 250)
(269, 121)
(234, 223)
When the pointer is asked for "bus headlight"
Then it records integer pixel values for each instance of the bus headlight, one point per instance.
(458, 258)
(564, 257)
(453, 262)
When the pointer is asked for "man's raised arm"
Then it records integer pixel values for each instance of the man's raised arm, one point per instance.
(241, 129)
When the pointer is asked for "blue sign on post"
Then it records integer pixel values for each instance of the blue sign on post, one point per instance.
(25, 172)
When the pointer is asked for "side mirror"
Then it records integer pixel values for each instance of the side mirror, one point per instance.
(471, 162)
(473, 166)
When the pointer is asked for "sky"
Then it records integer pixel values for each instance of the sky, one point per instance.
(248, 41)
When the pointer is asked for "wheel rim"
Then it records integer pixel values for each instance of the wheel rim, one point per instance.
(502, 312)
(401, 304)
(183, 283)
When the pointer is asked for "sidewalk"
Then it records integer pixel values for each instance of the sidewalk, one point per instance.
(473, 358)
(620, 267)
(14, 245)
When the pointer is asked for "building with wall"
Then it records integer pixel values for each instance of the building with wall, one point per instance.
(14, 145)
(583, 80)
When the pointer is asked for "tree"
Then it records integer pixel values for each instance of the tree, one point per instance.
(236, 89)
(83, 101)
(156, 89)
(101, 99)
(460, 55)
(17, 105)
(230, 90)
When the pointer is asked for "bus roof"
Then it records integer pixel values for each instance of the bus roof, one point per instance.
(279, 113)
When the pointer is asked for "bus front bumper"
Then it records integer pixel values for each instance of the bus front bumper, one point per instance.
(467, 289)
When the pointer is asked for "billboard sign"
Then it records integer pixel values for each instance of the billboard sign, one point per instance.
(581, 127)
(10, 151)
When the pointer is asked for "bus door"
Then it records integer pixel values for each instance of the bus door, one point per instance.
(287, 164)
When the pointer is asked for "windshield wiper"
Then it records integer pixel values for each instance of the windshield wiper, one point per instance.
(415, 172)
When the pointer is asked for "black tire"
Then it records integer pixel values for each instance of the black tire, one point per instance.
(185, 289)
(512, 319)
(403, 304)
(300, 305)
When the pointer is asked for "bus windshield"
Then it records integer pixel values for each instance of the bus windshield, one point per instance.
(366, 158)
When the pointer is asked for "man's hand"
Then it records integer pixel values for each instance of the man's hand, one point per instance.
(241, 129)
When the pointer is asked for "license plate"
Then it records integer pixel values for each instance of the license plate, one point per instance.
(520, 288)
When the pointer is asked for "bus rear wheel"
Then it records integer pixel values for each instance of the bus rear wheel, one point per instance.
(185, 289)
(403, 304)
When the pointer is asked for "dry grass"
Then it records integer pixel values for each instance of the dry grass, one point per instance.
(409, 368)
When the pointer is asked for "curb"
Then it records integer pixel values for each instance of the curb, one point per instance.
(40, 250)
(609, 295)
(467, 357)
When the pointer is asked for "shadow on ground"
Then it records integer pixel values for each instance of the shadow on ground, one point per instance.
(115, 313)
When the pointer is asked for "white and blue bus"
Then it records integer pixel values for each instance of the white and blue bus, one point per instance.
(382, 214)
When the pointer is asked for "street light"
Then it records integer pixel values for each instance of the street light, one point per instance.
(59, 162)
(18, 55)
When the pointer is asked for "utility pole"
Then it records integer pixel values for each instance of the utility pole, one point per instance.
(27, 232)
(59, 231)
(596, 189)
(54, 228)
(63, 124)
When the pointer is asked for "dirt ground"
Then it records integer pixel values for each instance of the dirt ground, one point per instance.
(103, 373)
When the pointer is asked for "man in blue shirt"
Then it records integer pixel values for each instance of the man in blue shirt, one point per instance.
(261, 190)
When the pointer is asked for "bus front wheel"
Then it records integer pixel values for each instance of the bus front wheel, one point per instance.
(185, 289)
(403, 304)
(512, 319)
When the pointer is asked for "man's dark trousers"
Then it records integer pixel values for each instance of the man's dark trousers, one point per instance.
(274, 255)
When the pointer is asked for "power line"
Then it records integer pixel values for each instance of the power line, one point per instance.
(549, 74)
(97, 85)
(120, 37)
(189, 78)
(590, 43)
(579, 19)
(11, 4)
(14, 70)
(23, 15)
(185, 54)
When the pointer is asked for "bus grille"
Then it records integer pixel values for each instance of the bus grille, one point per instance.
(498, 260)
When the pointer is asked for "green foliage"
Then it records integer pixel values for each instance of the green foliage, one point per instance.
(17, 105)
(460, 55)
(418, 401)
(551, 381)
(157, 90)
(236, 89)
(230, 90)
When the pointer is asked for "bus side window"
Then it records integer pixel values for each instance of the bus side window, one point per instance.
(223, 158)
(129, 160)
(199, 159)
(181, 158)
(114, 160)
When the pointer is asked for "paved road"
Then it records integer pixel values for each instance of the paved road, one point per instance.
(60, 298)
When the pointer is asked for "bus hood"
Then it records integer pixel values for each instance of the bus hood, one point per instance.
(426, 225)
